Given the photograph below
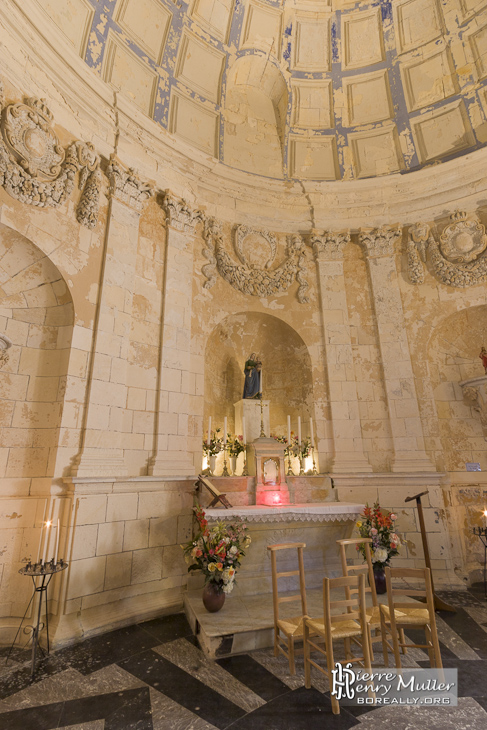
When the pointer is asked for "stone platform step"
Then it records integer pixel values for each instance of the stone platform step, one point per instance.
(244, 623)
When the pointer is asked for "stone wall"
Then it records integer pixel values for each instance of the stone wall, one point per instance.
(133, 286)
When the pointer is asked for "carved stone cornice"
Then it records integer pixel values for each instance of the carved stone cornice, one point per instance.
(126, 186)
(329, 246)
(380, 241)
(180, 214)
(5, 344)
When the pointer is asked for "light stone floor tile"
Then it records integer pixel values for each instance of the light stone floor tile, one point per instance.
(468, 715)
(71, 685)
(187, 657)
(169, 714)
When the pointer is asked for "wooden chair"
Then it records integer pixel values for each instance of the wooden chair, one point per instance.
(372, 612)
(350, 626)
(288, 630)
(403, 615)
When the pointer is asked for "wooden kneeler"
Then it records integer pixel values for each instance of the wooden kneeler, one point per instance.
(215, 493)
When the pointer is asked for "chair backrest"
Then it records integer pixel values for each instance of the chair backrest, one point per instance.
(418, 574)
(365, 568)
(301, 596)
(350, 608)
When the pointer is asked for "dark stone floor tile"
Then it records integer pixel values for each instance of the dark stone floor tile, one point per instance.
(302, 709)
(20, 678)
(101, 651)
(468, 629)
(125, 710)
(472, 675)
(33, 718)
(175, 683)
(129, 709)
(254, 676)
(168, 628)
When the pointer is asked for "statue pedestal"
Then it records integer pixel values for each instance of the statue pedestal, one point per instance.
(251, 410)
(271, 488)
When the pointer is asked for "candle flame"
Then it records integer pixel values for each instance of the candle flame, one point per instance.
(48, 523)
(485, 512)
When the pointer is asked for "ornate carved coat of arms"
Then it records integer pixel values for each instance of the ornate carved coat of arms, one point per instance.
(34, 167)
(256, 251)
(459, 259)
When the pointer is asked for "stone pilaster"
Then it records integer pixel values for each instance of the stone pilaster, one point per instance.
(347, 434)
(102, 448)
(402, 401)
(172, 456)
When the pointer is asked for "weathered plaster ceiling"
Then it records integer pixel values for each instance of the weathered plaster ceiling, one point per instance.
(303, 90)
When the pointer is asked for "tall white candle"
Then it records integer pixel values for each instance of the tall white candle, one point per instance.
(312, 435)
(46, 543)
(289, 429)
(40, 536)
(225, 431)
(209, 432)
(244, 431)
(299, 430)
(58, 533)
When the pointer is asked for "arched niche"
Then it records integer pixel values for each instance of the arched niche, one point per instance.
(286, 364)
(36, 312)
(255, 116)
(453, 356)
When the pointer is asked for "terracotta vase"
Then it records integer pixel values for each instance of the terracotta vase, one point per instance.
(380, 581)
(213, 599)
(233, 464)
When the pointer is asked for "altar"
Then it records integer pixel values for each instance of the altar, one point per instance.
(246, 620)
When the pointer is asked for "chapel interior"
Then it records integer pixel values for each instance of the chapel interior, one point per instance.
(185, 184)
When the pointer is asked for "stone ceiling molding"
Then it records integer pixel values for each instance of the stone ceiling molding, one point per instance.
(250, 279)
(36, 170)
(458, 259)
(126, 186)
(180, 214)
(380, 241)
(329, 246)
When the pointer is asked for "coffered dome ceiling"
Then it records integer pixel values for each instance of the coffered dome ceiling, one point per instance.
(303, 90)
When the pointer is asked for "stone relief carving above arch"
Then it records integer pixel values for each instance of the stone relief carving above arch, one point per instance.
(36, 170)
(247, 277)
(458, 259)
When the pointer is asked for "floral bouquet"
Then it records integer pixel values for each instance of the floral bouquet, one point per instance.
(216, 551)
(236, 446)
(380, 527)
(216, 444)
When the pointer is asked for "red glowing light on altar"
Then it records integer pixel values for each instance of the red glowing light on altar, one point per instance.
(277, 499)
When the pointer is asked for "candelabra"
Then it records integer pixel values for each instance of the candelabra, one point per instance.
(315, 470)
(225, 472)
(44, 570)
(245, 471)
(290, 472)
(481, 533)
(262, 432)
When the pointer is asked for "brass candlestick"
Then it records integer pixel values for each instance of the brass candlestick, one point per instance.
(290, 472)
(225, 472)
(262, 432)
(315, 470)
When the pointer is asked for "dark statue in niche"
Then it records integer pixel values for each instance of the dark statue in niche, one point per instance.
(252, 371)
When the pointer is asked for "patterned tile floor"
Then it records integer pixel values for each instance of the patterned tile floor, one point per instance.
(152, 676)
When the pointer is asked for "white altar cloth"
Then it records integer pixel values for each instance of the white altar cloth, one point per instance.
(311, 512)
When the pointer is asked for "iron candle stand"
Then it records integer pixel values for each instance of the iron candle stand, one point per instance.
(45, 571)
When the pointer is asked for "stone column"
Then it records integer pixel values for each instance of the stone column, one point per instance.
(402, 400)
(347, 433)
(101, 453)
(172, 455)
